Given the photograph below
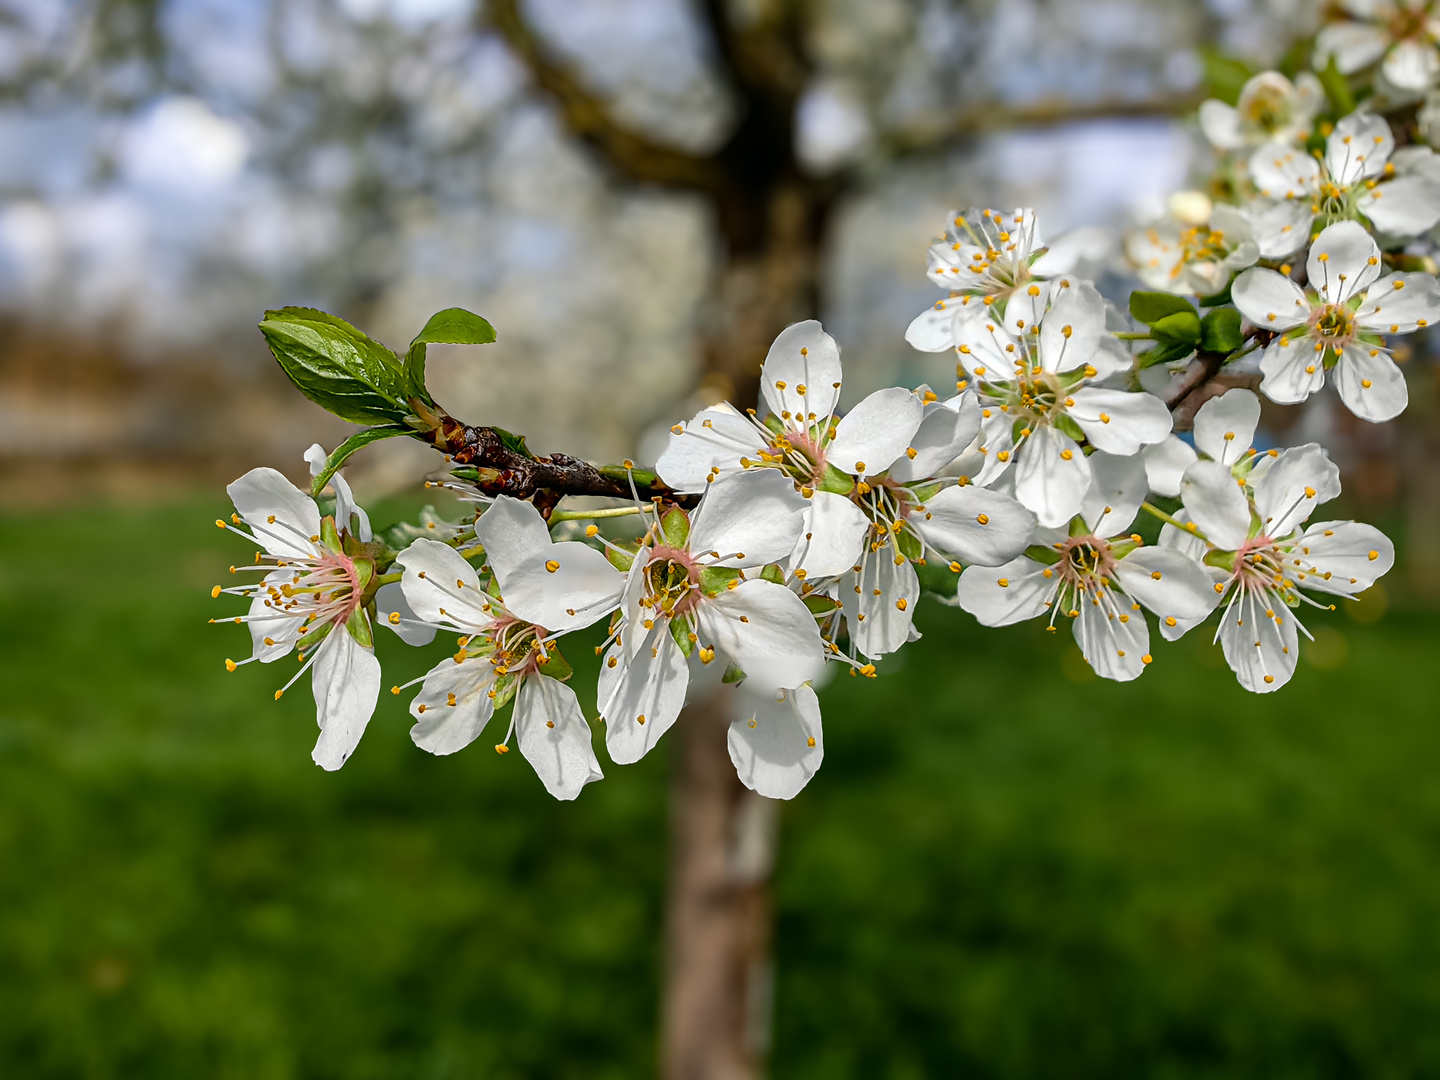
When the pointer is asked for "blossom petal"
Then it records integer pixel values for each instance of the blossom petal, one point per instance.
(1300, 479)
(1166, 462)
(1070, 332)
(1010, 593)
(1114, 640)
(1221, 125)
(1343, 261)
(262, 494)
(832, 538)
(876, 432)
(394, 611)
(776, 742)
(933, 330)
(1051, 476)
(1270, 300)
(749, 519)
(1359, 146)
(945, 430)
(442, 728)
(1118, 486)
(346, 684)
(512, 530)
(767, 630)
(651, 685)
(554, 737)
(975, 525)
(1118, 421)
(1217, 504)
(717, 438)
(1281, 226)
(1370, 384)
(1406, 206)
(562, 587)
(1345, 557)
(264, 620)
(441, 587)
(1169, 582)
(1292, 371)
(1283, 172)
(1225, 425)
(879, 602)
(1261, 648)
(1353, 45)
(1400, 304)
(1412, 65)
(803, 355)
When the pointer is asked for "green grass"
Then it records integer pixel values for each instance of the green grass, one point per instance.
(1001, 871)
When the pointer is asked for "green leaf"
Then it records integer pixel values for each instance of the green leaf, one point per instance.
(1225, 75)
(733, 674)
(349, 446)
(822, 605)
(680, 631)
(1150, 307)
(1181, 328)
(1220, 331)
(1219, 299)
(336, 366)
(1165, 354)
(453, 326)
(773, 573)
(910, 545)
(1064, 422)
(1337, 89)
(676, 527)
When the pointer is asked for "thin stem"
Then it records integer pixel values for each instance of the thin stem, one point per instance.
(557, 516)
(390, 578)
(1127, 336)
(1183, 526)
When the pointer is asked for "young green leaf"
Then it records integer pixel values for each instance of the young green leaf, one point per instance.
(1150, 307)
(336, 366)
(453, 326)
(1220, 331)
(1181, 328)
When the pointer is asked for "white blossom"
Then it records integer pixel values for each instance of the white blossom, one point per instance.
(309, 600)
(1175, 256)
(1337, 323)
(1038, 397)
(1248, 529)
(686, 595)
(1357, 175)
(1402, 34)
(1224, 431)
(1096, 577)
(1270, 109)
(508, 648)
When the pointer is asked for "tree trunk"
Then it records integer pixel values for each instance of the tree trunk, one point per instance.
(718, 974)
(718, 971)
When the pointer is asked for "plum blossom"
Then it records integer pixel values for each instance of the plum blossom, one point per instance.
(1097, 578)
(1337, 323)
(310, 600)
(874, 501)
(1270, 109)
(1402, 34)
(687, 594)
(986, 261)
(1250, 535)
(1175, 256)
(1224, 431)
(1037, 394)
(1359, 174)
(508, 648)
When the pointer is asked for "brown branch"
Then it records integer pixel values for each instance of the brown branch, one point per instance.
(639, 158)
(504, 467)
(986, 118)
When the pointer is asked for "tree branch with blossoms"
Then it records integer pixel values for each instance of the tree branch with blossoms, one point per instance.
(772, 545)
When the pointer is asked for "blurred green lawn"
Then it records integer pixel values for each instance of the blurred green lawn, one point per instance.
(1002, 870)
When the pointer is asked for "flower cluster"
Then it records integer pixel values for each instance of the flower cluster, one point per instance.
(773, 545)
